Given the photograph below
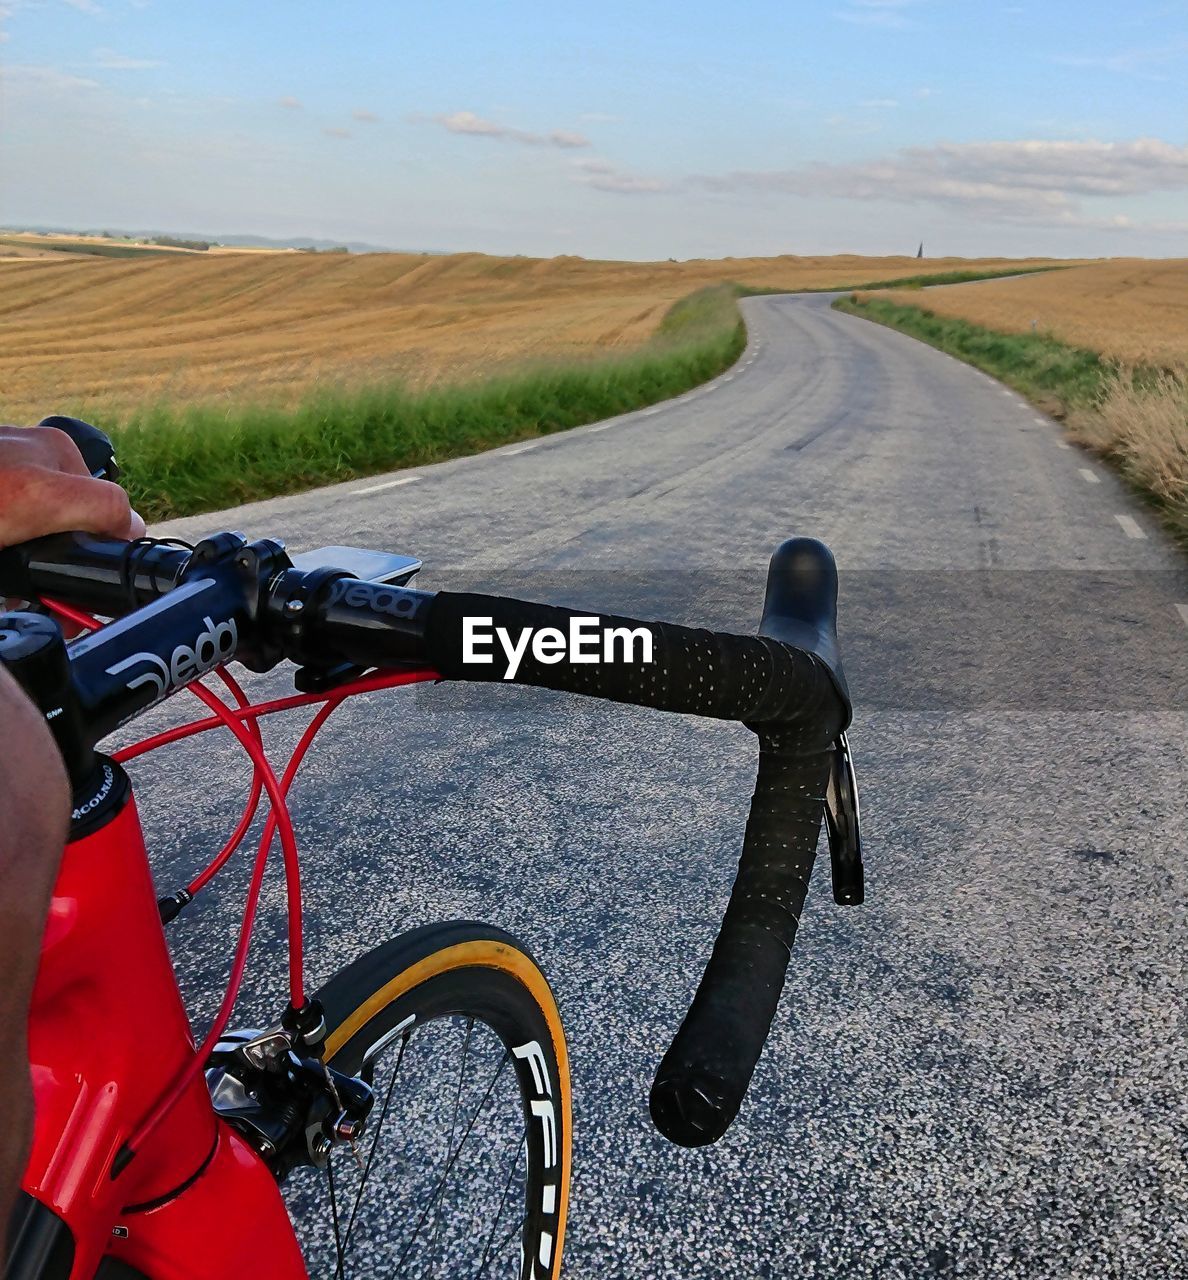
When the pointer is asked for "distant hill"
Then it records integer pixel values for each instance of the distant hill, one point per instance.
(240, 241)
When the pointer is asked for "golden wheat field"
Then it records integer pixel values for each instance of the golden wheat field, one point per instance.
(1134, 310)
(115, 333)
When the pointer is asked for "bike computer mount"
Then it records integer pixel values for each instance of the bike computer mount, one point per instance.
(359, 562)
(371, 566)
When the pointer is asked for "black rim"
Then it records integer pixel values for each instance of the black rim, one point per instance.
(458, 1173)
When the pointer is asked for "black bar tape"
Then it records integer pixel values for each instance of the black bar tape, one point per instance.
(787, 697)
(703, 1078)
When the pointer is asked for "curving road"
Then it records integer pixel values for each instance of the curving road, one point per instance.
(983, 1071)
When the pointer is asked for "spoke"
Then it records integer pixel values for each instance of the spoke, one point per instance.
(452, 1160)
(338, 1245)
(499, 1248)
(449, 1145)
(375, 1143)
(511, 1173)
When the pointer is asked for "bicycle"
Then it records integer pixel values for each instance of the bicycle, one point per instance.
(154, 1156)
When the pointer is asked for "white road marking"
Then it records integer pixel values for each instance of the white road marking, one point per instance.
(1063, 444)
(603, 426)
(1130, 526)
(379, 488)
(511, 453)
(647, 413)
(1041, 422)
(1182, 610)
(1089, 477)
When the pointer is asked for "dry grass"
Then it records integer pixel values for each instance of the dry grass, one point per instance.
(1134, 311)
(117, 334)
(1142, 426)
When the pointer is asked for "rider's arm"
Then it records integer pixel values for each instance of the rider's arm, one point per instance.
(44, 488)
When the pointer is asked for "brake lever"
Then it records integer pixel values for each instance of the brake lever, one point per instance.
(842, 824)
(97, 452)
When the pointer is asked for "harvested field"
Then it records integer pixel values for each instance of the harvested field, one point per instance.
(1134, 311)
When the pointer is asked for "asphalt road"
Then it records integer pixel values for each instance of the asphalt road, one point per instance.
(981, 1072)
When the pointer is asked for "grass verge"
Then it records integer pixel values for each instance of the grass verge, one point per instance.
(180, 460)
(1135, 418)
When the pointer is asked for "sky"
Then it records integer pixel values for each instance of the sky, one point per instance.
(615, 129)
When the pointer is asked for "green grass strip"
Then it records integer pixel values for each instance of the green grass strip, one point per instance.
(180, 460)
(1039, 366)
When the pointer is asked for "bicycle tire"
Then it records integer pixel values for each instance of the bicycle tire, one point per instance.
(477, 972)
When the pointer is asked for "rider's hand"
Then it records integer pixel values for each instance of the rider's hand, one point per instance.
(45, 488)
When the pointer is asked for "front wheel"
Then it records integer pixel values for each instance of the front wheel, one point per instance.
(463, 1169)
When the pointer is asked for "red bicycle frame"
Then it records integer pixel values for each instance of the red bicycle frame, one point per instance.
(128, 1152)
(108, 1035)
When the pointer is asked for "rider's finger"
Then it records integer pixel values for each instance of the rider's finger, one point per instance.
(39, 501)
(61, 449)
(43, 447)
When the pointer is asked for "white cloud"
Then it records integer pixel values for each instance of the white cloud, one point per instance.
(628, 184)
(49, 80)
(879, 104)
(1019, 182)
(888, 14)
(852, 128)
(334, 132)
(109, 60)
(873, 18)
(10, 8)
(366, 117)
(603, 176)
(290, 103)
(85, 6)
(1136, 62)
(466, 122)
